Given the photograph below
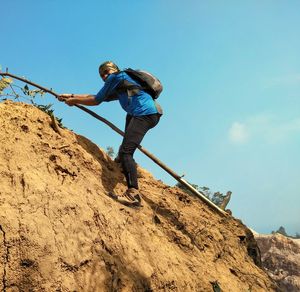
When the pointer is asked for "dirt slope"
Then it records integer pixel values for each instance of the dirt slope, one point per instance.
(60, 232)
(281, 259)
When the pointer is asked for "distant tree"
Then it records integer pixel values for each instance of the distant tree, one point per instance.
(110, 152)
(281, 230)
(217, 198)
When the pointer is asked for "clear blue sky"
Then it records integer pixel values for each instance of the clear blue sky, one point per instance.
(231, 75)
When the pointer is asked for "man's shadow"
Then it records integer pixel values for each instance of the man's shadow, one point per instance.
(111, 173)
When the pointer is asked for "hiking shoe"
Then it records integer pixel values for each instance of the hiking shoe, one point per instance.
(133, 195)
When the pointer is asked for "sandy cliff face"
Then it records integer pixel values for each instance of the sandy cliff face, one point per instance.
(59, 231)
(281, 259)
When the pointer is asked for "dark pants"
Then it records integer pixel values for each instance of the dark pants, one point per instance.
(135, 130)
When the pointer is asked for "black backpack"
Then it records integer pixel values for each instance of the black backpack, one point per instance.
(148, 82)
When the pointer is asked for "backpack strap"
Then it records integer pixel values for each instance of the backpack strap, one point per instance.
(130, 88)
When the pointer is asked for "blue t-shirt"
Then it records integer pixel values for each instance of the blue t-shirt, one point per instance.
(140, 104)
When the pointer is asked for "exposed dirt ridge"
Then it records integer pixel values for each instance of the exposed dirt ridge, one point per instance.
(60, 232)
(281, 259)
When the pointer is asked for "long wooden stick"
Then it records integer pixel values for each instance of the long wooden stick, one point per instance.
(143, 150)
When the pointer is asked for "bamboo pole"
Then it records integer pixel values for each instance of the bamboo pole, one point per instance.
(143, 150)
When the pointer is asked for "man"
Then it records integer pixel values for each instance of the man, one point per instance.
(142, 114)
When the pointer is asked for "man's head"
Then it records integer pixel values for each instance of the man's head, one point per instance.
(107, 68)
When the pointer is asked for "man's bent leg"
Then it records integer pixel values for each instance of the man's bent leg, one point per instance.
(130, 170)
(118, 157)
(134, 134)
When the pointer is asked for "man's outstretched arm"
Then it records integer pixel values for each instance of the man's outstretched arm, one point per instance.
(72, 99)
